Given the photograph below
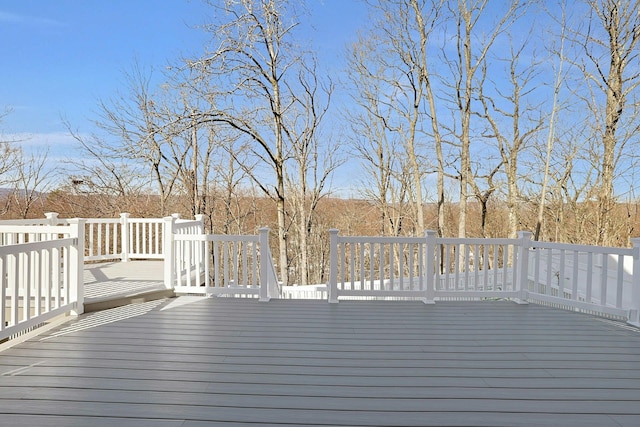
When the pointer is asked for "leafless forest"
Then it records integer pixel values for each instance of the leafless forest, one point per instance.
(471, 118)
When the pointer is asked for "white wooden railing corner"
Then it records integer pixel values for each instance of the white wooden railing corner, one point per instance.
(41, 278)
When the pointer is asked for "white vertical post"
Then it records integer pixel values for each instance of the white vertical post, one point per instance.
(52, 218)
(521, 269)
(430, 236)
(265, 295)
(124, 236)
(333, 266)
(168, 251)
(200, 219)
(76, 265)
(634, 311)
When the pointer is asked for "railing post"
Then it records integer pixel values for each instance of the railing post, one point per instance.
(634, 311)
(200, 219)
(202, 246)
(521, 270)
(333, 266)
(52, 218)
(76, 265)
(124, 237)
(264, 294)
(168, 251)
(430, 236)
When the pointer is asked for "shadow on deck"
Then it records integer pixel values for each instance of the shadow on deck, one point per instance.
(114, 284)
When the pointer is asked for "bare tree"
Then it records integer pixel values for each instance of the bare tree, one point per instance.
(23, 184)
(312, 167)
(32, 181)
(227, 210)
(514, 123)
(401, 33)
(611, 68)
(153, 137)
(382, 158)
(134, 140)
(255, 67)
(470, 54)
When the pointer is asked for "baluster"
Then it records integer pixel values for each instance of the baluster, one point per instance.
(589, 271)
(604, 276)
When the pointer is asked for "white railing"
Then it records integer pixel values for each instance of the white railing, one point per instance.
(123, 238)
(42, 260)
(377, 266)
(104, 239)
(128, 238)
(316, 292)
(588, 278)
(221, 265)
(599, 280)
(41, 279)
(144, 238)
(28, 230)
(473, 268)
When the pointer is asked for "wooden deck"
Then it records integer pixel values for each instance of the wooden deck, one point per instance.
(195, 362)
(113, 284)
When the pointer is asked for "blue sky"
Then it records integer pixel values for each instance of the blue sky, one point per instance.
(62, 56)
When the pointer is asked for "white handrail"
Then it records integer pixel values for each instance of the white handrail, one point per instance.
(215, 264)
(375, 266)
(589, 278)
(127, 238)
(601, 280)
(475, 268)
(40, 280)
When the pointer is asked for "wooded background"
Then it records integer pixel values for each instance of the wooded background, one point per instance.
(468, 117)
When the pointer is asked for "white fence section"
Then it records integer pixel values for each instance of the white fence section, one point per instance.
(588, 278)
(42, 260)
(41, 267)
(221, 265)
(473, 268)
(41, 278)
(377, 267)
(317, 292)
(128, 238)
(27, 231)
(123, 238)
(598, 280)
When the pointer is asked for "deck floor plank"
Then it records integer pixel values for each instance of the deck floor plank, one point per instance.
(239, 362)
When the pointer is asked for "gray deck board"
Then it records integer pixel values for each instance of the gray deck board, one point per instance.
(239, 362)
(104, 281)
